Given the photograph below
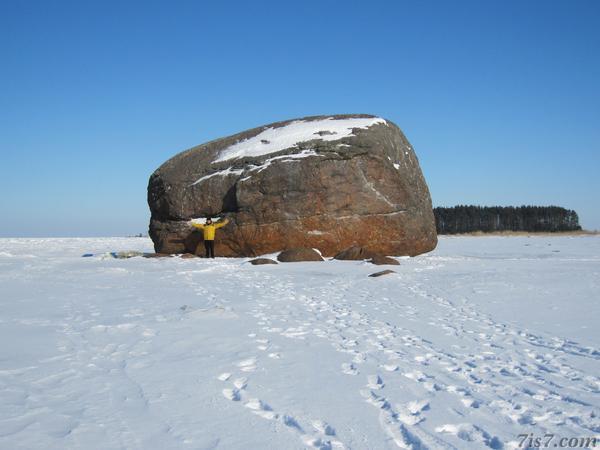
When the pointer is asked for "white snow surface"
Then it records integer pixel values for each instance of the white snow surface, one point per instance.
(274, 140)
(469, 346)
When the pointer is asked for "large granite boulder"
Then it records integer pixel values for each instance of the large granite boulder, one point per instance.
(326, 182)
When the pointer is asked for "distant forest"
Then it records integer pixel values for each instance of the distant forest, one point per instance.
(465, 219)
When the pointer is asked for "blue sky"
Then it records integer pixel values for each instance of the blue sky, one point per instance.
(500, 99)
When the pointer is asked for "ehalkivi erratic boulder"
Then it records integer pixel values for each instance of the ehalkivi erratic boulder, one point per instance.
(325, 182)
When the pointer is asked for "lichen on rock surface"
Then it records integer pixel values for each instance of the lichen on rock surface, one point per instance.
(325, 182)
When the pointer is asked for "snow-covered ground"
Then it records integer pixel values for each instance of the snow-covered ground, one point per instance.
(482, 340)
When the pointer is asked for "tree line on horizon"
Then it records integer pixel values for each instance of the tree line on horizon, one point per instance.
(469, 218)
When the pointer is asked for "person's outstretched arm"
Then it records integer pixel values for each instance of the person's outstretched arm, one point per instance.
(198, 225)
(222, 223)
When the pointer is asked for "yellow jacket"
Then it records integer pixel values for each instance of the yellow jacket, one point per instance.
(209, 230)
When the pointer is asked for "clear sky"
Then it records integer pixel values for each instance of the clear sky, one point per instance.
(500, 99)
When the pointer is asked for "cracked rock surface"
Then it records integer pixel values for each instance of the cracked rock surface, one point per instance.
(335, 189)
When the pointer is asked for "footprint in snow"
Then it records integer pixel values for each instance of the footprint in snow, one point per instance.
(231, 394)
(375, 400)
(224, 376)
(424, 359)
(323, 428)
(349, 369)
(289, 421)
(374, 382)
(470, 402)
(247, 365)
(320, 443)
(415, 407)
(260, 408)
(390, 367)
(359, 358)
(410, 414)
(241, 383)
(416, 375)
(471, 433)
(433, 387)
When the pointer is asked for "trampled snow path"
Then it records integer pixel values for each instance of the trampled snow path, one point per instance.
(467, 347)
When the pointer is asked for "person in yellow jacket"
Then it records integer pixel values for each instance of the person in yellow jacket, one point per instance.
(208, 228)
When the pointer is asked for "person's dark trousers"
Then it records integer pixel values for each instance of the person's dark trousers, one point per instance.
(210, 248)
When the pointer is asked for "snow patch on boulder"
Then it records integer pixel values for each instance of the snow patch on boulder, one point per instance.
(274, 140)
